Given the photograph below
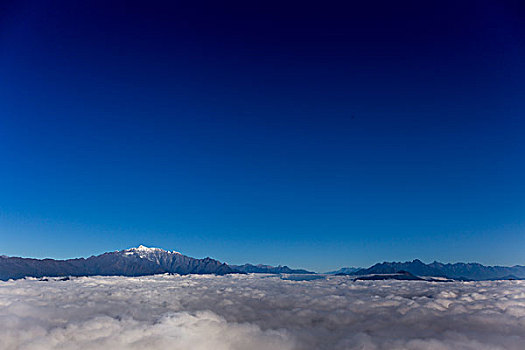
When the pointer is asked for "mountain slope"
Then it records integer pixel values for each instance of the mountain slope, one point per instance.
(416, 267)
(129, 262)
(473, 271)
(477, 271)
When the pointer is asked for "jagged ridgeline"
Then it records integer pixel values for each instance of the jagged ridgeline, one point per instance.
(143, 261)
(138, 261)
(458, 271)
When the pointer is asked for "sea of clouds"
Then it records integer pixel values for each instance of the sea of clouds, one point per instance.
(256, 312)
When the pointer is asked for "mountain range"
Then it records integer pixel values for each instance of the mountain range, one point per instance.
(142, 261)
(138, 261)
(458, 271)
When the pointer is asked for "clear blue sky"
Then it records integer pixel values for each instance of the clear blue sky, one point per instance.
(314, 135)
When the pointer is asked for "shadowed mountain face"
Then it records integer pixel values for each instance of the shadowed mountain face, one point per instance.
(142, 261)
(249, 268)
(470, 271)
(401, 276)
(130, 262)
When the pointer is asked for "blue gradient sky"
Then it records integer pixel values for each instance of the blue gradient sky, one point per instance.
(314, 135)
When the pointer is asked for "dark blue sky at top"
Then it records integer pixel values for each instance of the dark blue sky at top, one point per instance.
(314, 134)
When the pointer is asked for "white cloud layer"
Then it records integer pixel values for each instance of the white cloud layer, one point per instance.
(260, 312)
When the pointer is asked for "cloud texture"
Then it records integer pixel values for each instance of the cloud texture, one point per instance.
(257, 312)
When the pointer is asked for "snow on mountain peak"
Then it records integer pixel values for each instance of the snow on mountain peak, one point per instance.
(147, 249)
(143, 250)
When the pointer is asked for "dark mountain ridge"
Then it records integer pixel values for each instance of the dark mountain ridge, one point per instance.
(461, 271)
(138, 261)
(142, 261)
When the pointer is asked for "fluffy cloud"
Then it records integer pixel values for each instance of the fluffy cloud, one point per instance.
(240, 312)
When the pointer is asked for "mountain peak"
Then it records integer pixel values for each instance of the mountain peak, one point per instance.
(145, 250)
(138, 261)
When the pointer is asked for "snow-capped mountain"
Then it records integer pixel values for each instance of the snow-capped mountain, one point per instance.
(142, 261)
(129, 262)
(175, 262)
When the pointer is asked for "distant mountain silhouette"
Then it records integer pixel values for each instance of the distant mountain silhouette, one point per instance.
(142, 261)
(344, 270)
(461, 271)
(249, 268)
(129, 262)
(401, 276)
